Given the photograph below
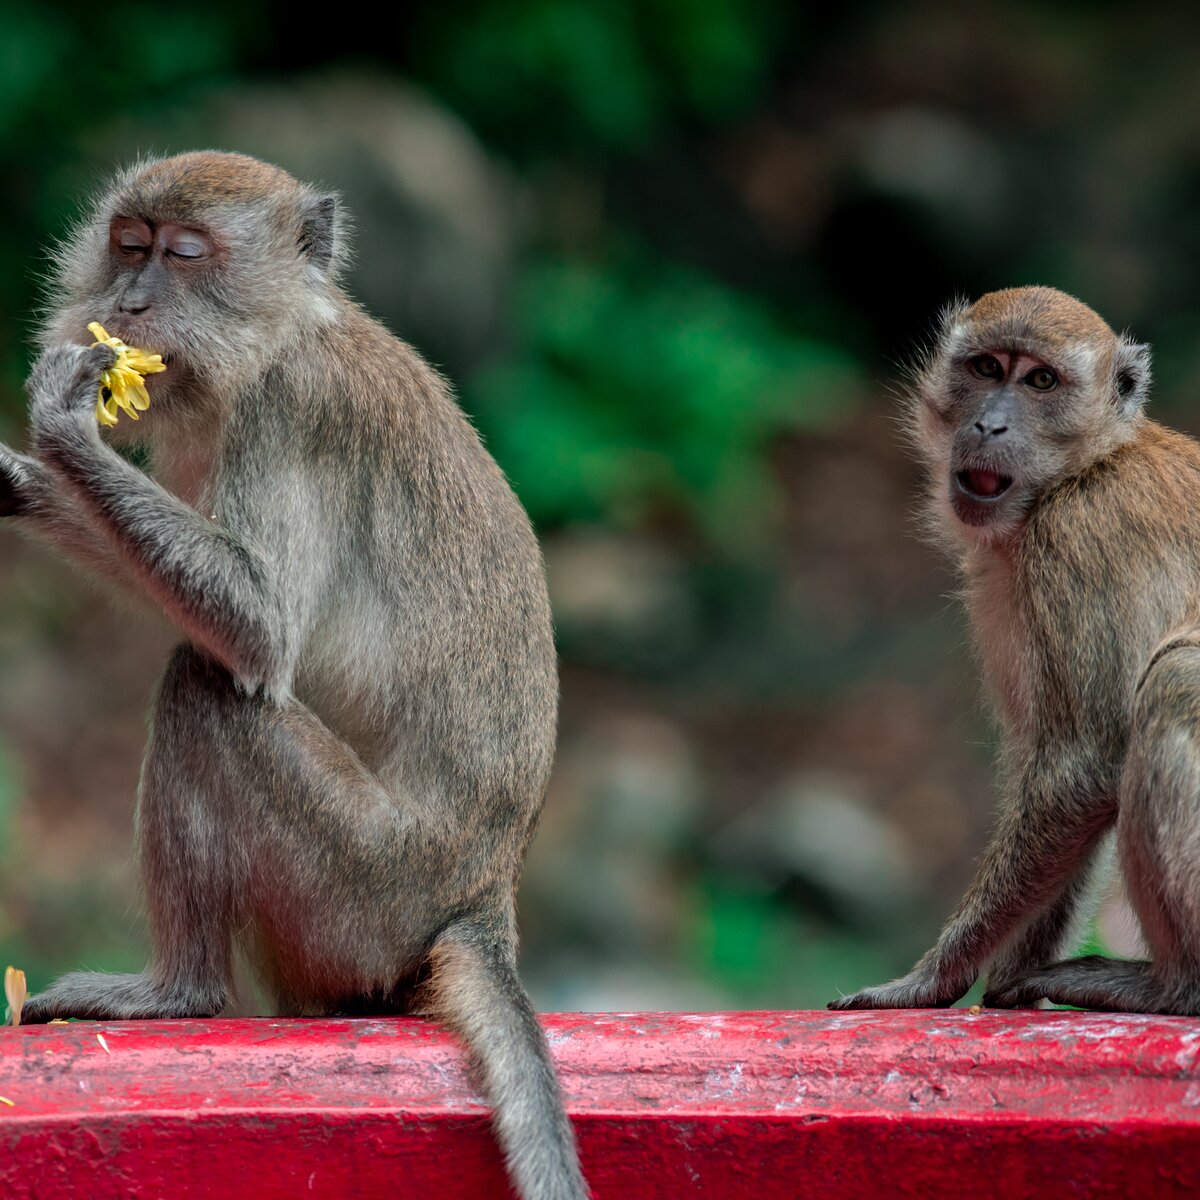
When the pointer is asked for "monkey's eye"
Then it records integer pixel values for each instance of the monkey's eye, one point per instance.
(986, 367)
(187, 243)
(1042, 379)
(132, 237)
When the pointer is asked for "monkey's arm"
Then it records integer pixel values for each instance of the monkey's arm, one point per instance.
(39, 506)
(218, 590)
(1058, 929)
(1045, 838)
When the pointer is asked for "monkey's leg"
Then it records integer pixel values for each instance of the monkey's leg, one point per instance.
(254, 810)
(351, 887)
(1110, 984)
(1158, 834)
(1058, 929)
(1046, 835)
(191, 856)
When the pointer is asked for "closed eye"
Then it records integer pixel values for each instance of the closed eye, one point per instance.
(180, 241)
(184, 248)
(131, 236)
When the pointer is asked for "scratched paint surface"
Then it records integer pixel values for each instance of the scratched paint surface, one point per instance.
(761, 1105)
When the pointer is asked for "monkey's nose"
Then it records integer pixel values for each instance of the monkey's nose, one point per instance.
(134, 305)
(990, 430)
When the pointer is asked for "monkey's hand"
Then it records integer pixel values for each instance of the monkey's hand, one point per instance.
(18, 483)
(63, 388)
(920, 988)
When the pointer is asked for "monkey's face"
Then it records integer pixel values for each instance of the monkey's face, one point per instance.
(1006, 409)
(1011, 406)
(197, 288)
(215, 261)
(158, 283)
(156, 278)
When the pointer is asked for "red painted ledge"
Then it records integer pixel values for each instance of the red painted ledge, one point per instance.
(730, 1105)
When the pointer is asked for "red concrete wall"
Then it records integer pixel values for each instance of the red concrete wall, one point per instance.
(756, 1105)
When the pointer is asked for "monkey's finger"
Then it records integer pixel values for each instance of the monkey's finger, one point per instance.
(100, 357)
(913, 991)
(881, 997)
(844, 1003)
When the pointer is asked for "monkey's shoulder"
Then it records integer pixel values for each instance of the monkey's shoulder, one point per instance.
(1143, 495)
(362, 424)
(350, 387)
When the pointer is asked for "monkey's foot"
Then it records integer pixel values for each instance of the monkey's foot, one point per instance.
(98, 997)
(915, 990)
(1108, 984)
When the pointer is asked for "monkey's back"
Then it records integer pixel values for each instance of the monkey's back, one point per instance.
(431, 648)
(1109, 565)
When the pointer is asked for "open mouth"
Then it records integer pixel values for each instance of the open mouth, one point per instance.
(982, 484)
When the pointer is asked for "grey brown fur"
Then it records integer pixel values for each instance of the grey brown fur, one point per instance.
(1082, 582)
(350, 746)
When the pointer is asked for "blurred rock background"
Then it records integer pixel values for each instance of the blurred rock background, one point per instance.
(671, 255)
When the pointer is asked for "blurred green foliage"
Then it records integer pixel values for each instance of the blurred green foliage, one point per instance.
(545, 77)
(637, 386)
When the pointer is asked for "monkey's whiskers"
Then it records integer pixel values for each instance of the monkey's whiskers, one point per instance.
(121, 386)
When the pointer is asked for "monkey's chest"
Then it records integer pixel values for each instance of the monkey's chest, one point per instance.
(1000, 628)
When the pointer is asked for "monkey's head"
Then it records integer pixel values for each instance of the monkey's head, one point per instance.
(213, 260)
(1022, 389)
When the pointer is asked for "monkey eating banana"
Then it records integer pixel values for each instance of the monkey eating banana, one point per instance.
(350, 745)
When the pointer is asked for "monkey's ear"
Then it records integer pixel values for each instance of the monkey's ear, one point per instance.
(1132, 375)
(320, 231)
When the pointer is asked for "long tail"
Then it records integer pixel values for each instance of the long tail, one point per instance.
(474, 989)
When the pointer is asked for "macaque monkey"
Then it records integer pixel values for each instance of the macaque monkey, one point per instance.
(1074, 520)
(351, 743)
